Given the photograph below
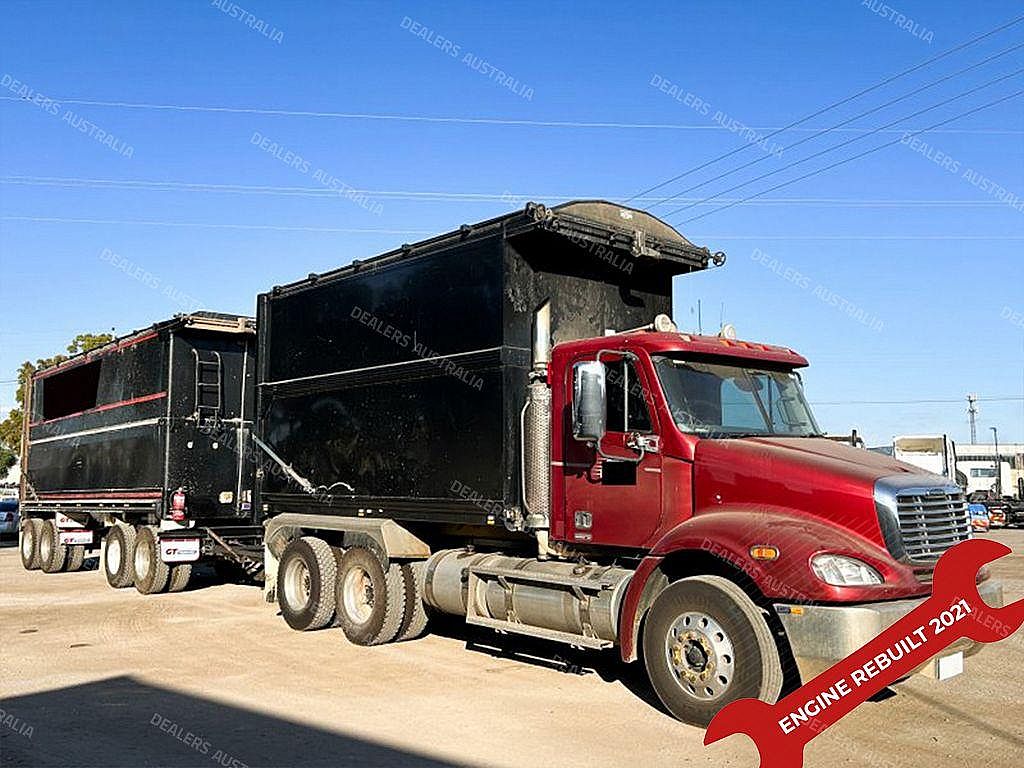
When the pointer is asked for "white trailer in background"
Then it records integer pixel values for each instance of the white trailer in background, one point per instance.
(933, 453)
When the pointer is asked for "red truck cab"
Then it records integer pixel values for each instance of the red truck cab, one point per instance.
(710, 461)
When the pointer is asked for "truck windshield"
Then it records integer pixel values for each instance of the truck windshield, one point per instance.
(716, 400)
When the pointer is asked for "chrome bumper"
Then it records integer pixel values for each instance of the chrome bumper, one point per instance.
(821, 635)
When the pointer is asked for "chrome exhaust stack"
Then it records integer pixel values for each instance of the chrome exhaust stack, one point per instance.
(535, 432)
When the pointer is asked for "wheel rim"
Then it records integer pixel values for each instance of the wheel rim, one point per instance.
(143, 561)
(45, 548)
(357, 595)
(113, 554)
(27, 544)
(296, 583)
(700, 656)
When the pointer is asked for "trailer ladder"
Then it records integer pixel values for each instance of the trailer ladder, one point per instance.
(208, 399)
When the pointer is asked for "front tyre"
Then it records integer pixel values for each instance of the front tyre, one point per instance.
(706, 644)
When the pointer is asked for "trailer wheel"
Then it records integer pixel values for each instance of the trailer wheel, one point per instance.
(52, 553)
(414, 623)
(180, 576)
(371, 601)
(118, 555)
(306, 577)
(151, 574)
(706, 644)
(76, 557)
(29, 544)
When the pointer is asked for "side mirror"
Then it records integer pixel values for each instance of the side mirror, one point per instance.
(589, 401)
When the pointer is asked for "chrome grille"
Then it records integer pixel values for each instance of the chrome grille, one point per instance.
(931, 522)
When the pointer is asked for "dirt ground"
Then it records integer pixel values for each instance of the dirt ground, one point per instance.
(91, 676)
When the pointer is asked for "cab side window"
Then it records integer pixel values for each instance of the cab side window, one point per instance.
(627, 398)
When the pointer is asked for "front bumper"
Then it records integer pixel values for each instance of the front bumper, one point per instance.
(821, 635)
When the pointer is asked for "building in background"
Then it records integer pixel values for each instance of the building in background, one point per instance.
(978, 464)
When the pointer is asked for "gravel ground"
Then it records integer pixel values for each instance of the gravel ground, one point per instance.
(213, 677)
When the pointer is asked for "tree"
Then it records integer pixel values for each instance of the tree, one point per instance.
(10, 427)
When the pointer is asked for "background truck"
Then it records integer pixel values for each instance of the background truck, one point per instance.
(932, 453)
(136, 448)
(503, 424)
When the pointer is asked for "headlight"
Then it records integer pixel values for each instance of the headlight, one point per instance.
(840, 571)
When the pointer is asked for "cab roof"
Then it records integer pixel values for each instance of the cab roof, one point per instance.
(656, 342)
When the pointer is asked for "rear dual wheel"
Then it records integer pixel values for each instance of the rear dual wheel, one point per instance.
(52, 554)
(151, 574)
(119, 556)
(371, 599)
(31, 530)
(306, 575)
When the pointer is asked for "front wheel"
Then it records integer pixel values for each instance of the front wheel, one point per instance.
(706, 644)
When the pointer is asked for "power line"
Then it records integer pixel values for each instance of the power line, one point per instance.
(372, 230)
(839, 103)
(854, 157)
(842, 144)
(447, 119)
(198, 187)
(957, 401)
(847, 121)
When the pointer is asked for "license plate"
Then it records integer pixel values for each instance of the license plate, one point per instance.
(949, 666)
(179, 550)
(75, 537)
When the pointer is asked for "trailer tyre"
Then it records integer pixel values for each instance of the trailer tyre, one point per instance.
(707, 644)
(371, 600)
(306, 577)
(414, 623)
(31, 530)
(118, 556)
(76, 557)
(151, 573)
(180, 576)
(52, 554)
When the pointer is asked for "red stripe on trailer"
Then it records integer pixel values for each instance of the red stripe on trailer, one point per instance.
(107, 407)
(100, 495)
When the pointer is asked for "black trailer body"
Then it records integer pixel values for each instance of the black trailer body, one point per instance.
(115, 432)
(395, 385)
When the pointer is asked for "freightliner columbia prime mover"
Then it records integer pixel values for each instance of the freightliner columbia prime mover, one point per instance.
(502, 423)
(133, 448)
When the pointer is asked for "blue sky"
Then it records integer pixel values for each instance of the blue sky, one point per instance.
(917, 243)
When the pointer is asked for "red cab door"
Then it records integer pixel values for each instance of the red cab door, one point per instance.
(616, 501)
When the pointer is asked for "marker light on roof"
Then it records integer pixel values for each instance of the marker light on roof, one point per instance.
(664, 324)
(728, 331)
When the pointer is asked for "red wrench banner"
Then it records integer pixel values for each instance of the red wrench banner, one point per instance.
(954, 611)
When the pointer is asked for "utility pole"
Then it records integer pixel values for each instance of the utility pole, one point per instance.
(999, 465)
(972, 412)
